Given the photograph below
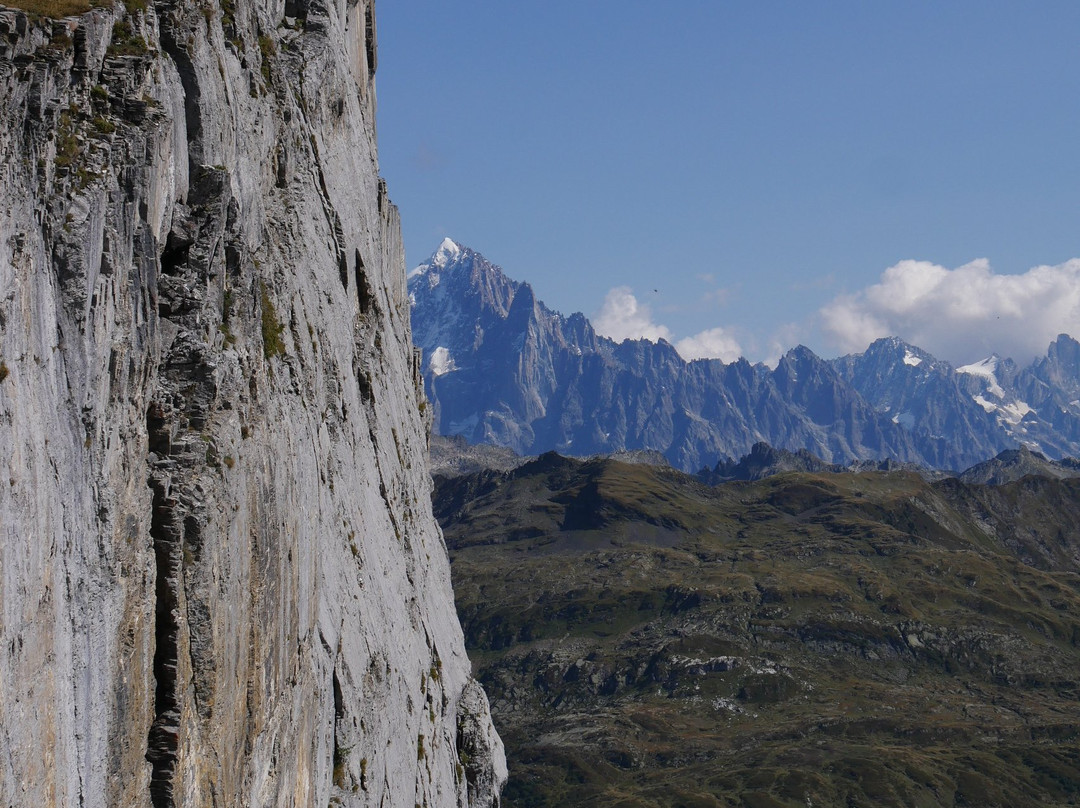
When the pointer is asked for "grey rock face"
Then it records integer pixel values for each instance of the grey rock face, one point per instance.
(1050, 386)
(220, 577)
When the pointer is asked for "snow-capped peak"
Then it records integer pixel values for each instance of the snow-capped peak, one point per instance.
(892, 349)
(447, 253)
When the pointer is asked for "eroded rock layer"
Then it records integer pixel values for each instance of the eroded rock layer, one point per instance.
(220, 580)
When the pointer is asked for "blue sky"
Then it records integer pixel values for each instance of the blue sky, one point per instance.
(760, 165)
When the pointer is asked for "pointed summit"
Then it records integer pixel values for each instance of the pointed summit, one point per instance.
(446, 254)
(1064, 353)
(896, 350)
(457, 270)
(448, 294)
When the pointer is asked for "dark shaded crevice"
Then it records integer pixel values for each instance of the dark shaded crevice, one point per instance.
(175, 254)
(338, 772)
(233, 257)
(159, 436)
(296, 8)
(188, 79)
(339, 702)
(364, 295)
(365, 387)
(164, 738)
(166, 531)
(369, 41)
(281, 163)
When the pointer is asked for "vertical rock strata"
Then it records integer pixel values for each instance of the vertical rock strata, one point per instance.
(220, 580)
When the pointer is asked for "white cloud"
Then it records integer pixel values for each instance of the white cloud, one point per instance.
(713, 343)
(622, 316)
(960, 314)
(716, 297)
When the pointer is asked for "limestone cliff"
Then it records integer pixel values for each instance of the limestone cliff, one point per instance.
(220, 580)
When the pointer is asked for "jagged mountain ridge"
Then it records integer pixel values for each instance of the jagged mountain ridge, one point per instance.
(989, 405)
(502, 368)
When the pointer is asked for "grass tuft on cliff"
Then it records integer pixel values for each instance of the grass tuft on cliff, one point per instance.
(55, 9)
(271, 326)
(126, 41)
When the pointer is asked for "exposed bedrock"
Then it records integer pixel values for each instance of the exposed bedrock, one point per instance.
(221, 583)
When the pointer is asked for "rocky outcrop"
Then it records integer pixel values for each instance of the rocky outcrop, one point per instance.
(454, 456)
(221, 580)
(1015, 464)
(765, 461)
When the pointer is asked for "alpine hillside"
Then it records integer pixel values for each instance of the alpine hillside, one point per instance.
(804, 639)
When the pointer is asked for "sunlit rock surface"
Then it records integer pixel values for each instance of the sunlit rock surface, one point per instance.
(220, 580)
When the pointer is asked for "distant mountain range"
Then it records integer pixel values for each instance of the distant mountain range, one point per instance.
(502, 368)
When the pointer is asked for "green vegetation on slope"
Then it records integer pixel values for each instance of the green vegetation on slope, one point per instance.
(54, 9)
(57, 9)
(826, 639)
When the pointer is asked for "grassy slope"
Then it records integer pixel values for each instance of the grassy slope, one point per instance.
(807, 639)
(54, 9)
